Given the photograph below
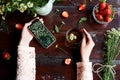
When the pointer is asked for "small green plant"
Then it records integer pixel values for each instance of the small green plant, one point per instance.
(112, 49)
(57, 28)
(9, 6)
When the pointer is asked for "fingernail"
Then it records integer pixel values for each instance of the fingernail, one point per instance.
(83, 30)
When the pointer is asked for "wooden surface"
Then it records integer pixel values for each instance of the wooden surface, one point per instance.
(50, 62)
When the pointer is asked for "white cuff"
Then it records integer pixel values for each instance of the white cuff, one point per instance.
(26, 66)
(84, 71)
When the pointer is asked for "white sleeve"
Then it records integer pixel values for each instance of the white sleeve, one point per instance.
(84, 71)
(26, 66)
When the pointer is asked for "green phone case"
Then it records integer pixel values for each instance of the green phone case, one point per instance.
(41, 33)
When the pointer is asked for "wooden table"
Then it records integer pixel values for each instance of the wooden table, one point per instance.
(50, 62)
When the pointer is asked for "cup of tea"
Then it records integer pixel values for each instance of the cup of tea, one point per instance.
(73, 37)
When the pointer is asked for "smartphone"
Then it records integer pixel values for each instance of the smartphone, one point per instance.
(41, 33)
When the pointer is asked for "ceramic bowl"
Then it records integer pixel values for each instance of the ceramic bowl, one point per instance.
(98, 21)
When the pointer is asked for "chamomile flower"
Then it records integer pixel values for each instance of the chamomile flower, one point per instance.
(30, 4)
(72, 36)
(22, 8)
(2, 9)
(3, 17)
(16, 4)
(35, 14)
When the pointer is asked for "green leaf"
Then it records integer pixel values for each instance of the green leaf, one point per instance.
(56, 28)
(82, 20)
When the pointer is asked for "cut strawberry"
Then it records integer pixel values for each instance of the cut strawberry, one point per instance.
(67, 61)
(82, 7)
(65, 14)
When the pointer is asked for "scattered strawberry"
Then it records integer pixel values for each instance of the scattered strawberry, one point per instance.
(65, 14)
(99, 17)
(82, 7)
(102, 5)
(108, 19)
(19, 26)
(6, 55)
(67, 61)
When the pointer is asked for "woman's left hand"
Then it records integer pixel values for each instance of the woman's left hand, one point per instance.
(26, 35)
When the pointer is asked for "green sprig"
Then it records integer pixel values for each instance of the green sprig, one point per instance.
(81, 20)
(112, 49)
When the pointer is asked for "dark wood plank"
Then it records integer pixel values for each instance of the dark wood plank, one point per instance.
(50, 62)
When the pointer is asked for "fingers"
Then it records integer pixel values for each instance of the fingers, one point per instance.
(83, 40)
(29, 23)
(41, 19)
(34, 19)
(87, 35)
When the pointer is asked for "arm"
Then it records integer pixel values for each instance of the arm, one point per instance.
(26, 56)
(84, 68)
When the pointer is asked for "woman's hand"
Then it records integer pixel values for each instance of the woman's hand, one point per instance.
(26, 35)
(86, 46)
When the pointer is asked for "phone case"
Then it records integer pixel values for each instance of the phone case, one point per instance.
(41, 33)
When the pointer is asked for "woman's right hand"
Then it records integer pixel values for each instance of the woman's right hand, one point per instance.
(26, 35)
(86, 46)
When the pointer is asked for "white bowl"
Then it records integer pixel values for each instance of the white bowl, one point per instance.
(93, 13)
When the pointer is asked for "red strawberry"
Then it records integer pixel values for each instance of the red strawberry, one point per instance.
(82, 7)
(6, 55)
(99, 17)
(102, 5)
(106, 12)
(65, 14)
(108, 6)
(19, 26)
(67, 61)
(108, 19)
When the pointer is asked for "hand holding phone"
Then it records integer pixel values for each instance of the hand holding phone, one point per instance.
(41, 33)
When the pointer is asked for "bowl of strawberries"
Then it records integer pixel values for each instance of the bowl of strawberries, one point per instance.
(103, 13)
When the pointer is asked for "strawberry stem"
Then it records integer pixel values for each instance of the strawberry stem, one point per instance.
(102, 0)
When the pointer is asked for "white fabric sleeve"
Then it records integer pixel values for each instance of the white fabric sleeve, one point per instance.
(84, 71)
(26, 66)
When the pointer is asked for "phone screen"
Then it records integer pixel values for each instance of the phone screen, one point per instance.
(41, 33)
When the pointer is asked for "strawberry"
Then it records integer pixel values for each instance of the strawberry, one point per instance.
(102, 5)
(65, 14)
(106, 12)
(6, 55)
(19, 26)
(67, 61)
(108, 6)
(108, 19)
(99, 17)
(82, 7)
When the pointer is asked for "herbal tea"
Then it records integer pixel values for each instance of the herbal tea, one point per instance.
(74, 36)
